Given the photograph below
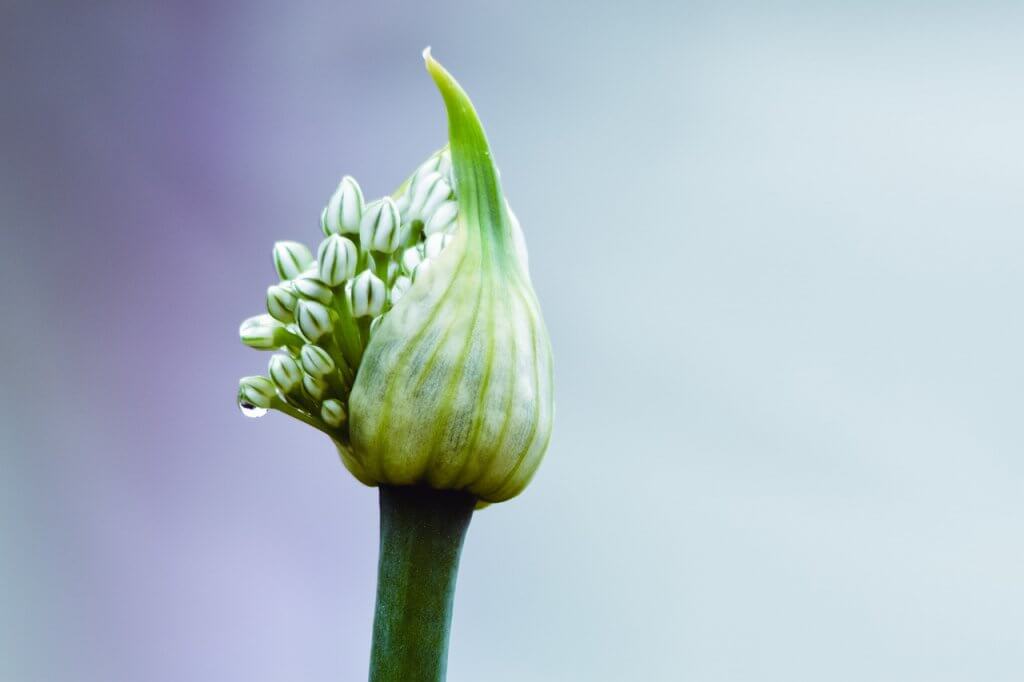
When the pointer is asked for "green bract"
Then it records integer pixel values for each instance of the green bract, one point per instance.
(416, 340)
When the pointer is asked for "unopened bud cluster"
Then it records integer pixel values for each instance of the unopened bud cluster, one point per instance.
(323, 311)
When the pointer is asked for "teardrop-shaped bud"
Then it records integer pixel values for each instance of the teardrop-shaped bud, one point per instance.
(285, 372)
(367, 294)
(265, 333)
(315, 387)
(455, 386)
(428, 195)
(337, 258)
(435, 244)
(442, 219)
(411, 257)
(398, 289)
(380, 228)
(313, 290)
(316, 360)
(256, 392)
(314, 320)
(281, 302)
(291, 258)
(344, 210)
(333, 413)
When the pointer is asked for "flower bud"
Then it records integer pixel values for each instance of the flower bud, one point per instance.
(265, 333)
(255, 395)
(313, 289)
(398, 289)
(333, 413)
(411, 257)
(281, 303)
(427, 195)
(315, 387)
(285, 372)
(442, 219)
(291, 258)
(367, 294)
(435, 245)
(344, 210)
(380, 228)
(337, 257)
(316, 361)
(454, 389)
(314, 320)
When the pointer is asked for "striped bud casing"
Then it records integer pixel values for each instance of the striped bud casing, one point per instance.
(411, 257)
(427, 195)
(315, 387)
(281, 302)
(442, 219)
(435, 244)
(337, 258)
(256, 392)
(367, 294)
(313, 290)
(263, 333)
(314, 320)
(380, 228)
(344, 210)
(284, 372)
(316, 361)
(291, 258)
(454, 390)
(398, 289)
(333, 413)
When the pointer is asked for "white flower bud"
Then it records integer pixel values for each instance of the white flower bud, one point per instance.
(333, 413)
(314, 320)
(291, 258)
(411, 257)
(285, 372)
(428, 194)
(367, 294)
(435, 244)
(401, 285)
(313, 290)
(315, 387)
(380, 226)
(316, 361)
(442, 219)
(337, 257)
(263, 332)
(255, 395)
(344, 210)
(281, 302)
(421, 270)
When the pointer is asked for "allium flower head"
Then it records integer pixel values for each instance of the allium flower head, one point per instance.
(414, 338)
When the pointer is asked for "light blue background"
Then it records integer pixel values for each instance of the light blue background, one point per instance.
(779, 247)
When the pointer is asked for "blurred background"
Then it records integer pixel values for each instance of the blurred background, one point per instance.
(779, 248)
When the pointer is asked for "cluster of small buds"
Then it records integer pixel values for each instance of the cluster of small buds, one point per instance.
(323, 312)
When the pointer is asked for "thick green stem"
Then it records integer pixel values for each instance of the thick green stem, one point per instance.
(421, 534)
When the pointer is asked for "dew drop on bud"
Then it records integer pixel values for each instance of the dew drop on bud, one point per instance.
(251, 411)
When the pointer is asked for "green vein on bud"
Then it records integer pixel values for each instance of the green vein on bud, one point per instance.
(291, 258)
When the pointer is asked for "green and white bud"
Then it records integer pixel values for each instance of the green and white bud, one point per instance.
(291, 258)
(380, 228)
(435, 244)
(256, 395)
(313, 289)
(344, 210)
(314, 320)
(316, 361)
(337, 258)
(285, 372)
(265, 333)
(333, 413)
(411, 257)
(367, 294)
(442, 219)
(281, 302)
(477, 416)
(427, 195)
(398, 289)
(316, 387)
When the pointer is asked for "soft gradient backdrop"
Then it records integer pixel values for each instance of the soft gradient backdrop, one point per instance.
(780, 249)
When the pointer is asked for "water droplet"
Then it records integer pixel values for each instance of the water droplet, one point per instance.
(251, 411)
